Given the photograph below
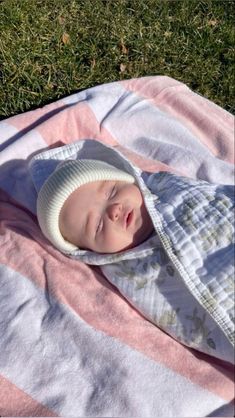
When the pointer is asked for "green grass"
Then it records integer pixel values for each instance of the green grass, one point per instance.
(52, 48)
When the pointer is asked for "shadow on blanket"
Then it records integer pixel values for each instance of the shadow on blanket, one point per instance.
(32, 126)
(224, 411)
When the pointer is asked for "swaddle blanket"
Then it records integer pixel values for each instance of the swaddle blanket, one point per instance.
(186, 284)
(70, 344)
(182, 278)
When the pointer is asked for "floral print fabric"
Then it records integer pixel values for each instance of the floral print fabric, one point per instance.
(184, 283)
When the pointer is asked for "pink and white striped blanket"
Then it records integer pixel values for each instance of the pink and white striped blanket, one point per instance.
(70, 344)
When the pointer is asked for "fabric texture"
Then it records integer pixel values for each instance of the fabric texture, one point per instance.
(71, 344)
(68, 177)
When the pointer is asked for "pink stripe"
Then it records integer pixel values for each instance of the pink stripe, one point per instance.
(78, 122)
(150, 86)
(95, 300)
(72, 123)
(16, 403)
(213, 126)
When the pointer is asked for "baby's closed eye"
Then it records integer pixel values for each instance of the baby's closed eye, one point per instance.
(99, 226)
(110, 191)
(110, 194)
(113, 192)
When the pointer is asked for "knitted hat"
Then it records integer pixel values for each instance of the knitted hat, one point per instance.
(68, 177)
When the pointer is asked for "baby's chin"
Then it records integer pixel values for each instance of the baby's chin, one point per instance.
(141, 236)
(146, 229)
(135, 243)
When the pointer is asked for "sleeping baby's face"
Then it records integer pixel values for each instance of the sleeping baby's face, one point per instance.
(105, 217)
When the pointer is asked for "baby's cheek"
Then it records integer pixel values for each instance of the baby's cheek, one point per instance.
(114, 240)
(111, 240)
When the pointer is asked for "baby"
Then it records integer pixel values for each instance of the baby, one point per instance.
(165, 241)
(94, 206)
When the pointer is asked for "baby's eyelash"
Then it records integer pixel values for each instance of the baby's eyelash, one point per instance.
(113, 192)
(99, 226)
(100, 223)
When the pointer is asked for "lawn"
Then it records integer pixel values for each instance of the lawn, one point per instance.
(52, 48)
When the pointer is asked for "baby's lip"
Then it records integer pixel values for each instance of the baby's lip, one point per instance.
(128, 218)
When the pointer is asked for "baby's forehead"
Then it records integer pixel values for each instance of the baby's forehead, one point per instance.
(92, 189)
(96, 185)
(85, 197)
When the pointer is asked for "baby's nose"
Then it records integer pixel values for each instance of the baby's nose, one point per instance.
(114, 211)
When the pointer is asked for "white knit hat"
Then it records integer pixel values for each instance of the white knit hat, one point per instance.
(68, 177)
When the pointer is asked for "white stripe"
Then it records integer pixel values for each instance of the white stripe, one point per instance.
(7, 131)
(21, 147)
(140, 126)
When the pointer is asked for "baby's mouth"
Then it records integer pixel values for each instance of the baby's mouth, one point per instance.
(129, 218)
